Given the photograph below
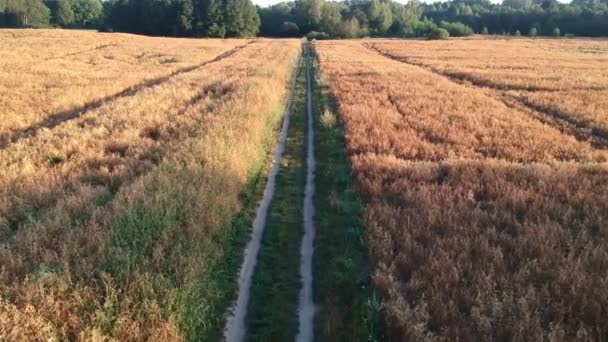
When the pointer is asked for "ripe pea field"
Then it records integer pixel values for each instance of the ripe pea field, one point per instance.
(276, 189)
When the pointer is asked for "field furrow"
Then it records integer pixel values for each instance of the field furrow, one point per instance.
(138, 198)
(571, 98)
(56, 119)
(55, 74)
(482, 223)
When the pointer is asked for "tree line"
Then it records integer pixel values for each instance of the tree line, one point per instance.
(313, 18)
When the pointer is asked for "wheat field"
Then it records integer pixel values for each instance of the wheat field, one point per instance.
(485, 206)
(115, 220)
(131, 166)
(565, 80)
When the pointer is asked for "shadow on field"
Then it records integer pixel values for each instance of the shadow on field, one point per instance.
(78, 187)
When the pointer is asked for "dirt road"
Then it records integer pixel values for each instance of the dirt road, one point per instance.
(235, 330)
(306, 309)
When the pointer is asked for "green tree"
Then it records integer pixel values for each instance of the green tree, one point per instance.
(87, 13)
(64, 15)
(380, 16)
(26, 13)
(214, 19)
(556, 32)
(485, 31)
(183, 17)
(2, 8)
(456, 29)
(241, 19)
(533, 32)
(517, 33)
(331, 19)
(314, 13)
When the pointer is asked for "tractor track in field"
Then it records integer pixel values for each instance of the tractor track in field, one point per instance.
(235, 329)
(58, 118)
(306, 307)
(257, 251)
(564, 122)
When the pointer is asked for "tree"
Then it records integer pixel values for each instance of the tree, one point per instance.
(456, 29)
(87, 13)
(556, 32)
(533, 32)
(517, 33)
(241, 19)
(485, 31)
(314, 13)
(331, 18)
(26, 13)
(289, 29)
(380, 16)
(64, 15)
(214, 20)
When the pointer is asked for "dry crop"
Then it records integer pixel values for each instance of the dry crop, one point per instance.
(566, 81)
(483, 222)
(50, 75)
(113, 223)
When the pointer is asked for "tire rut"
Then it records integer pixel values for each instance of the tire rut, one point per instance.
(235, 328)
(564, 122)
(58, 118)
(306, 309)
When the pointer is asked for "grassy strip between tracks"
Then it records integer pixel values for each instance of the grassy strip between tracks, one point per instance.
(349, 310)
(272, 312)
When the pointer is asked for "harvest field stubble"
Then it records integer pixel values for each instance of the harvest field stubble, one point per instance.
(126, 218)
(482, 167)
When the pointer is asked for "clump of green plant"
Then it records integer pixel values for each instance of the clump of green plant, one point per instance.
(55, 159)
(456, 29)
(439, 34)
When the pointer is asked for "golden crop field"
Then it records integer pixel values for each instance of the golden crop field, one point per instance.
(130, 162)
(564, 81)
(484, 187)
(158, 189)
(48, 76)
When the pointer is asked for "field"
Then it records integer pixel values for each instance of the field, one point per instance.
(159, 189)
(111, 220)
(482, 178)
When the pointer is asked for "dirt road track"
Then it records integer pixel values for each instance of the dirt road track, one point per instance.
(306, 309)
(235, 330)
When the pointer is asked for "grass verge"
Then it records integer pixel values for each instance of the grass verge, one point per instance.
(272, 311)
(349, 309)
(195, 301)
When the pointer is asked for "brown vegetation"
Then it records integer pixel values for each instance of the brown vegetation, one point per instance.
(111, 222)
(54, 72)
(565, 80)
(483, 223)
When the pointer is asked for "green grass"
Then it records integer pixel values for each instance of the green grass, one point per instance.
(199, 301)
(349, 309)
(272, 311)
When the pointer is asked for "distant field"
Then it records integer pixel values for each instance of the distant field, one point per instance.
(566, 78)
(482, 166)
(52, 73)
(124, 163)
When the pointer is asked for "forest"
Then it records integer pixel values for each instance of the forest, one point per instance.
(313, 18)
